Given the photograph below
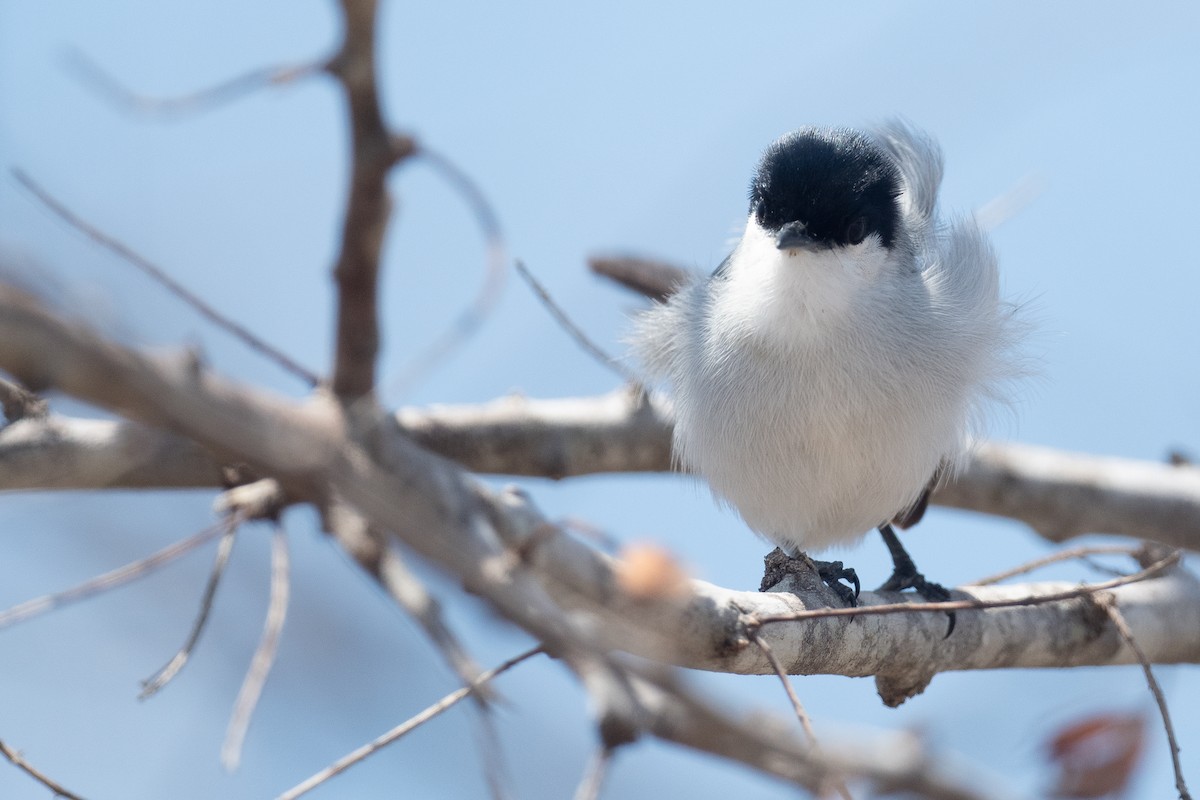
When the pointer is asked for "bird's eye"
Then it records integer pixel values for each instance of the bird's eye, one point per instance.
(856, 231)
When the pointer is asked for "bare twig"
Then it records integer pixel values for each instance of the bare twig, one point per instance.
(406, 727)
(411, 595)
(678, 716)
(264, 656)
(161, 277)
(960, 605)
(654, 279)
(797, 706)
(193, 102)
(1054, 558)
(489, 290)
(573, 330)
(367, 209)
(20, 403)
(109, 580)
(1122, 627)
(594, 774)
(491, 747)
(164, 675)
(17, 760)
(370, 549)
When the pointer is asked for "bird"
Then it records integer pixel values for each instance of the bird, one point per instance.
(836, 364)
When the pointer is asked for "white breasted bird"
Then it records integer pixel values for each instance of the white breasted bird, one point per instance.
(831, 368)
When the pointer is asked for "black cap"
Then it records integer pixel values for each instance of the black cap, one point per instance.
(836, 185)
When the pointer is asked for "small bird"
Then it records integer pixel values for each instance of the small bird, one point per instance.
(831, 369)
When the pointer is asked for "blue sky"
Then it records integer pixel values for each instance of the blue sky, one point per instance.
(612, 127)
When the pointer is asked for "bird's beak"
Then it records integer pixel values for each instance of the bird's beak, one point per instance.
(793, 236)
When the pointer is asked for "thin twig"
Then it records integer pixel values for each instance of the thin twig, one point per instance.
(594, 774)
(192, 102)
(109, 580)
(264, 656)
(164, 675)
(572, 329)
(496, 270)
(1122, 627)
(369, 547)
(410, 594)
(160, 276)
(797, 706)
(491, 746)
(20, 763)
(409, 725)
(657, 280)
(961, 605)
(1061, 555)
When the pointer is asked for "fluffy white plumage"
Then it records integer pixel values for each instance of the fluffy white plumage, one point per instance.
(818, 389)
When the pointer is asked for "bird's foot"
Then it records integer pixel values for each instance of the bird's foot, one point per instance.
(805, 571)
(833, 573)
(911, 579)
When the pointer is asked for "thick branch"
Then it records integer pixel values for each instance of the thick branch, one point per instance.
(1062, 494)
(497, 545)
(56, 452)
(617, 432)
(1059, 494)
(430, 503)
(423, 498)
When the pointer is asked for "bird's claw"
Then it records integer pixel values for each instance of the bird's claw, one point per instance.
(833, 573)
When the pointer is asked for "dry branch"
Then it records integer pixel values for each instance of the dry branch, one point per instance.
(18, 760)
(657, 280)
(424, 499)
(57, 452)
(192, 103)
(367, 210)
(406, 727)
(164, 279)
(1057, 493)
(441, 513)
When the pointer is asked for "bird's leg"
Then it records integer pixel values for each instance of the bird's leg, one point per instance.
(905, 575)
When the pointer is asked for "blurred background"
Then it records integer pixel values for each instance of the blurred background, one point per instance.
(596, 127)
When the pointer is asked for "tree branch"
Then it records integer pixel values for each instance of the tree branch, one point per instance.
(18, 760)
(496, 544)
(374, 153)
(1059, 494)
(657, 280)
(57, 452)
(424, 499)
